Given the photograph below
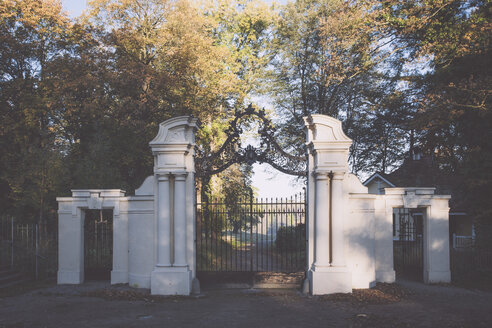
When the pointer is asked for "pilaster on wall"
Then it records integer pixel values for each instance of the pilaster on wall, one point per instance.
(328, 149)
(173, 150)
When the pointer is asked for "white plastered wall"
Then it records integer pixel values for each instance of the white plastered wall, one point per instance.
(359, 233)
(361, 255)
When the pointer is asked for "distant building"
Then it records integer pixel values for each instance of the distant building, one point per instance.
(420, 170)
(377, 182)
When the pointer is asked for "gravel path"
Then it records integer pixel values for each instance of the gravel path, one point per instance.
(96, 304)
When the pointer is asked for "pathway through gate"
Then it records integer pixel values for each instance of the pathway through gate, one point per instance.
(252, 235)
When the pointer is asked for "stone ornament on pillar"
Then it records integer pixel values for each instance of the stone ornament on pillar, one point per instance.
(328, 143)
(174, 144)
(328, 148)
(173, 150)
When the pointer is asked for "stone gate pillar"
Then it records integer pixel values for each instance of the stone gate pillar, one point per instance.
(328, 149)
(174, 166)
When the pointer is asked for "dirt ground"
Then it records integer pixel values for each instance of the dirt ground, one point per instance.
(96, 304)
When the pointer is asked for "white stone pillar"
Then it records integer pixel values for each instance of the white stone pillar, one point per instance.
(173, 150)
(70, 243)
(322, 225)
(164, 222)
(338, 216)
(436, 241)
(119, 273)
(180, 219)
(329, 147)
(383, 238)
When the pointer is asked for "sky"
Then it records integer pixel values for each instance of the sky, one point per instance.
(267, 181)
(74, 7)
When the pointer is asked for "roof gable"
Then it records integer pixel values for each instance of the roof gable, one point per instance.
(377, 175)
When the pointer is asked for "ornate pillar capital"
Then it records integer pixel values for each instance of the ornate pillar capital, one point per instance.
(338, 175)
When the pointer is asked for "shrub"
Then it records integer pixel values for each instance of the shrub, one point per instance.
(291, 238)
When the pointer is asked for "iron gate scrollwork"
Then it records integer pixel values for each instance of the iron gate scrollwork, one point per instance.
(248, 234)
(231, 151)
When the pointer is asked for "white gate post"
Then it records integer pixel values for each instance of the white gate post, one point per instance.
(70, 242)
(328, 158)
(119, 272)
(174, 166)
(436, 241)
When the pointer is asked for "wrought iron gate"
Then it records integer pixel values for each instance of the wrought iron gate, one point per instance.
(98, 244)
(252, 235)
(408, 243)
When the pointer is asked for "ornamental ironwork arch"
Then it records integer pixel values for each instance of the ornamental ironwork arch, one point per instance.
(269, 151)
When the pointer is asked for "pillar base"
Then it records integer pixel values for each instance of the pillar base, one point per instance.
(433, 277)
(330, 280)
(70, 277)
(136, 280)
(170, 281)
(386, 276)
(195, 286)
(119, 277)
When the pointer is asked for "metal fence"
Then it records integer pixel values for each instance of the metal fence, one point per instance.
(467, 263)
(29, 248)
(463, 241)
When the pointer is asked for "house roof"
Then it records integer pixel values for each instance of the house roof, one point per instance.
(424, 172)
(380, 176)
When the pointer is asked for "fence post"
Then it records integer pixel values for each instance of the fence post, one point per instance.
(12, 242)
(36, 252)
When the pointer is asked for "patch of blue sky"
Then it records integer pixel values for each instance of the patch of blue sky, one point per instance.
(74, 7)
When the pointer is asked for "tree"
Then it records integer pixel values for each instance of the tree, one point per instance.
(32, 35)
(338, 58)
(454, 110)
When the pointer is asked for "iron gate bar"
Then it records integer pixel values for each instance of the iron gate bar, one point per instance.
(251, 227)
(251, 235)
(408, 249)
(98, 237)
